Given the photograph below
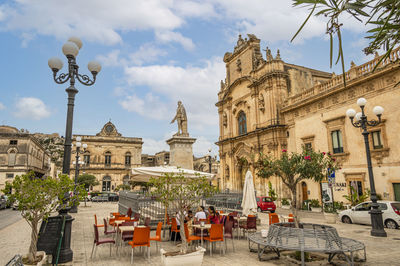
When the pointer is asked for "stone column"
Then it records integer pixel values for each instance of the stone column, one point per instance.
(181, 151)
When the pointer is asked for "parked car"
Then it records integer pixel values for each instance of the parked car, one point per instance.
(100, 198)
(360, 214)
(111, 196)
(15, 205)
(3, 202)
(265, 204)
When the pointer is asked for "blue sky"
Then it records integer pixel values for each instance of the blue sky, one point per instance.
(153, 53)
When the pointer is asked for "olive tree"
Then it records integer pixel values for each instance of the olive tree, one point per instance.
(293, 167)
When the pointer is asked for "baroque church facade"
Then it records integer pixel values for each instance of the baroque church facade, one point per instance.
(109, 156)
(266, 105)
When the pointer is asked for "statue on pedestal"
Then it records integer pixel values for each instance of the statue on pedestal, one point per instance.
(181, 119)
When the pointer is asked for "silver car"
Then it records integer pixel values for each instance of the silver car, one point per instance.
(359, 214)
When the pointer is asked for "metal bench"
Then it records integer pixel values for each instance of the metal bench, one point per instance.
(306, 238)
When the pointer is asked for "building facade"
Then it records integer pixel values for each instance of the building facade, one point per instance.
(268, 105)
(20, 153)
(109, 156)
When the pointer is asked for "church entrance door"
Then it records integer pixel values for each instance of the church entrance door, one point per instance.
(106, 183)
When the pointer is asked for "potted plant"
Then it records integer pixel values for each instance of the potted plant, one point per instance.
(330, 213)
(315, 206)
(181, 193)
(37, 199)
(272, 193)
(285, 203)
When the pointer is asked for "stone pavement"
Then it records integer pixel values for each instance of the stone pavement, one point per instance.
(14, 239)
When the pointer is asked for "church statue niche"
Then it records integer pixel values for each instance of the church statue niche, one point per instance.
(261, 102)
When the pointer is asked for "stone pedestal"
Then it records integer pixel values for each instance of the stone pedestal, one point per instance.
(181, 152)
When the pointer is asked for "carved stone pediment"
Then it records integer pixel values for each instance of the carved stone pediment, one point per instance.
(379, 154)
(109, 130)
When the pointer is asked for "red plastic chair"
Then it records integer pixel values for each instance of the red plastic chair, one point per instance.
(157, 238)
(251, 224)
(106, 231)
(174, 228)
(98, 241)
(228, 233)
(216, 235)
(95, 222)
(129, 213)
(291, 220)
(141, 238)
(127, 235)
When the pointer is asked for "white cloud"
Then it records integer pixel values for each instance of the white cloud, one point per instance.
(31, 108)
(170, 36)
(2, 106)
(152, 146)
(146, 53)
(112, 59)
(202, 145)
(196, 87)
(149, 106)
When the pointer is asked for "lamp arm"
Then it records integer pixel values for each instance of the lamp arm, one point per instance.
(85, 80)
(62, 78)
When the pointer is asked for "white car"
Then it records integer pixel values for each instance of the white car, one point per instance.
(360, 214)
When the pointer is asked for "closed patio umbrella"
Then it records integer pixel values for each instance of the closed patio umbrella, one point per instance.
(249, 203)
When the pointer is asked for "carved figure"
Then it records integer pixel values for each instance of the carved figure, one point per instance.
(181, 119)
(278, 55)
(239, 65)
(268, 54)
(261, 103)
(240, 41)
(224, 119)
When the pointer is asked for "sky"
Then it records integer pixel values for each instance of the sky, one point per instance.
(153, 53)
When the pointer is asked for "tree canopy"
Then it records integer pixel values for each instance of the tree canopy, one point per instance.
(87, 180)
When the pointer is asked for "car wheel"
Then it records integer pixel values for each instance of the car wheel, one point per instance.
(346, 219)
(259, 209)
(390, 224)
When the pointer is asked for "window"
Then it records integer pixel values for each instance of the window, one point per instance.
(125, 180)
(86, 159)
(107, 159)
(13, 142)
(10, 175)
(358, 187)
(377, 139)
(242, 123)
(308, 146)
(337, 143)
(11, 158)
(366, 206)
(128, 158)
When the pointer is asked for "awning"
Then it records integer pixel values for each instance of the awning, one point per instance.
(143, 174)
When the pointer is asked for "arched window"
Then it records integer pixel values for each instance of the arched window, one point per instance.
(86, 157)
(11, 157)
(107, 158)
(106, 183)
(128, 158)
(242, 123)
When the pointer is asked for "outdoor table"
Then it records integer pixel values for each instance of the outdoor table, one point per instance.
(121, 229)
(206, 226)
(285, 218)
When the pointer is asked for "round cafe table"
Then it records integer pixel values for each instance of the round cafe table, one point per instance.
(205, 227)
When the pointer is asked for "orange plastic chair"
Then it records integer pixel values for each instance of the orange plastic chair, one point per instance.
(157, 238)
(291, 220)
(122, 218)
(95, 222)
(141, 238)
(174, 228)
(216, 235)
(273, 218)
(190, 238)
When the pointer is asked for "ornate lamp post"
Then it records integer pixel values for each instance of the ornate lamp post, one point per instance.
(209, 160)
(77, 163)
(362, 122)
(71, 50)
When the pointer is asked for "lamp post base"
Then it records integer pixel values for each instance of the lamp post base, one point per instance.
(377, 224)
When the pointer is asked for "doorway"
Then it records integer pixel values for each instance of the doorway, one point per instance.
(304, 191)
(396, 190)
(106, 183)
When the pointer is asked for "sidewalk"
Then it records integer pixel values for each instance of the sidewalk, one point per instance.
(15, 239)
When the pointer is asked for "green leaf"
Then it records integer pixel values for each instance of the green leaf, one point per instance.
(304, 23)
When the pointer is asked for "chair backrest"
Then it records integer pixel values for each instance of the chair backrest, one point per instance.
(251, 222)
(228, 226)
(159, 227)
(216, 231)
(115, 213)
(147, 221)
(273, 218)
(129, 213)
(141, 236)
(96, 234)
(136, 216)
(105, 224)
(128, 223)
(174, 225)
(95, 219)
(186, 231)
(122, 218)
(291, 220)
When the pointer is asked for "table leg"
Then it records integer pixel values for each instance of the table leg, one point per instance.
(201, 237)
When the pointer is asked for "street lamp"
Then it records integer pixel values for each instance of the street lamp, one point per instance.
(360, 120)
(71, 50)
(77, 163)
(209, 160)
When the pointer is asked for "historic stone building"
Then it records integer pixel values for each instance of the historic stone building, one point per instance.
(267, 105)
(109, 156)
(20, 153)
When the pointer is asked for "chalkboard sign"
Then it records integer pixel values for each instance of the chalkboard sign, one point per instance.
(49, 234)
